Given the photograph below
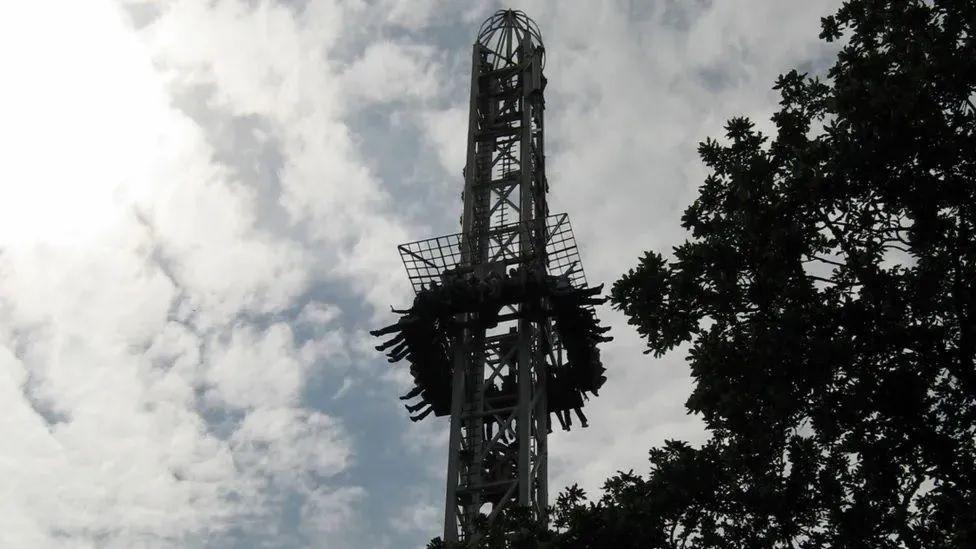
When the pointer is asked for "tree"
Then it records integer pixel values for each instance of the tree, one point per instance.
(828, 297)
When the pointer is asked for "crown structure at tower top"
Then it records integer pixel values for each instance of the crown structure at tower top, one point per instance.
(503, 35)
(502, 335)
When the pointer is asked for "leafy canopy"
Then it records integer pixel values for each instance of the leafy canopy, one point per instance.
(828, 296)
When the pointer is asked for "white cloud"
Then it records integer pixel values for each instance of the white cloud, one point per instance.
(326, 512)
(255, 368)
(418, 517)
(419, 15)
(318, 315)
(202, 226)
(389, 71)
(447, 131)
(290, 444)
(130, 265)
(274, 63)
(116, 468)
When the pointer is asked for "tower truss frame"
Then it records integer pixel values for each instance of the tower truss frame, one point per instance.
(482, 335)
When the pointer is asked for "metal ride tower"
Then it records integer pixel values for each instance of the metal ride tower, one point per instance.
(502, 332)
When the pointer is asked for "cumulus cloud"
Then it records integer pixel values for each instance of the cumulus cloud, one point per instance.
(274, 62)
(389, 71)
(147, 398)
(253, 368)
(290, 444)
(327, 512)
(447, 131)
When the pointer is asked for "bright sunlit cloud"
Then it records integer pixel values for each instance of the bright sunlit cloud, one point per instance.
(83, 114)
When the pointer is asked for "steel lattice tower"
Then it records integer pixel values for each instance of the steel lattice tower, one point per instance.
(504, 203)
(502, 332)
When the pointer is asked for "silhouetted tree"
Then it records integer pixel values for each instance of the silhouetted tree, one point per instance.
(828, 294)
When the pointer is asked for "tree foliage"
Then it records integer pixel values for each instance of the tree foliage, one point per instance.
(827, 293)
(828, 296)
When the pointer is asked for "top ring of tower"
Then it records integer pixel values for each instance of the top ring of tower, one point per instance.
(505, 34)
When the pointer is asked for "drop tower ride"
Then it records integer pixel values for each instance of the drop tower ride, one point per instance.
(502, 335)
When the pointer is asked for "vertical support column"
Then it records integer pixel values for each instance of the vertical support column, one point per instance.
(454, 445)
(530, 268)
(541, 426)
(461, 458)
(524, 428)
(498, 434)
(470, 166)
(533, 163)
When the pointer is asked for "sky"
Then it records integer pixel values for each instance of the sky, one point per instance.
(200, 203)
